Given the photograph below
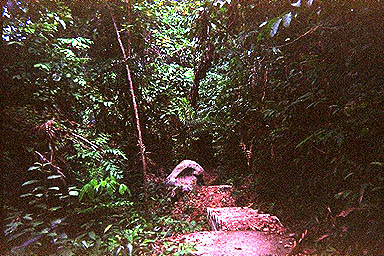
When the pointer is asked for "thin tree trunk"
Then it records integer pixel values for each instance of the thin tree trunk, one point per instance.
(200, 73)
(135, 109)
(2, 170)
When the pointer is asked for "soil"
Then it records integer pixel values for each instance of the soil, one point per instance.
(238, 243)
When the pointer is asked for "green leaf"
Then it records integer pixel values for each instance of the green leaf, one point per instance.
(37, 223)
(68, 53)
(94, 182)
(65, 40)
(52, 234)
(44, 66)
(84, 189)
(103, 183)
(92, 235)
(107, 103)
(110, 190)
(32, 168)
(29, 182)
(45, 231)
(62, 23)
(91, 193)
(310, 137)
(16, 42)
(73, 193)
(304, 141)
(54, 177)
(75, 42)
(107, 228)
(122, 188)
(147, 241)
(52, 209)
(27, 217)
(25, 195)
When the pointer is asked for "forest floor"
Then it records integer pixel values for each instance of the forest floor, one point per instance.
(271, 239)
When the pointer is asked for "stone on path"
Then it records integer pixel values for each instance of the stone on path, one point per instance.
(185, 175)
(238, 243)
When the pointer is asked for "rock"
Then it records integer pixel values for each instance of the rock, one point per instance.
(186, 175)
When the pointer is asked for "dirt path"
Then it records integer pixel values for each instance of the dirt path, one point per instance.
(232, 230)
(237, 243)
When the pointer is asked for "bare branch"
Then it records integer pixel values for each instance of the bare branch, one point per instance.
(313, 29)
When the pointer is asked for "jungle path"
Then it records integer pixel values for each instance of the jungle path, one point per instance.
(231, 230)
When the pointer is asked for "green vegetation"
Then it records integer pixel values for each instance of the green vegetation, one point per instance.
(282, 99)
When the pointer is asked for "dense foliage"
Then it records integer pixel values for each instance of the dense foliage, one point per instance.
(283, 99)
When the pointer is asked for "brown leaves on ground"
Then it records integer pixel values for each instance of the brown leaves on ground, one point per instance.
(193, 205)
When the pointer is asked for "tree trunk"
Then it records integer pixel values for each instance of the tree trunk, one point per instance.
(2, 171)
(200, 73)
(135, 109)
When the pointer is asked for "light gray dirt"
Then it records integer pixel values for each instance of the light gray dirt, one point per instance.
(238, 243)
